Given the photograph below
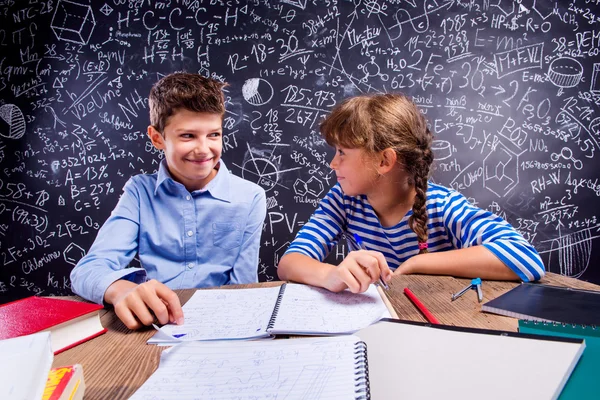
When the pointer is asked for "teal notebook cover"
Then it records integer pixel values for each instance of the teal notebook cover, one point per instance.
(584, 382)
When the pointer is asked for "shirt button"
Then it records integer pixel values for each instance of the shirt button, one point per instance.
(190, 233)
(187, 197)
(190, 265)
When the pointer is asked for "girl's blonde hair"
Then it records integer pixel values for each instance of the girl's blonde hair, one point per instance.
(377, 122)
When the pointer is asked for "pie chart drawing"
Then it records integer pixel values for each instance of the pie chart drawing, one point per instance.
(261, 171)
(12, 123)
(257, 91)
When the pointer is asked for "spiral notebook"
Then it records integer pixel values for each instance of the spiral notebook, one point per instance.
(290, 309)
(583, 383)
(292, 369)
(536, 302)
(414, 360)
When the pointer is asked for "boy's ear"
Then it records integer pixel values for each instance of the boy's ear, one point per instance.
(156, 138)
(387, 160)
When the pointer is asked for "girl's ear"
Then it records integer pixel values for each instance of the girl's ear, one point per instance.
(156, 138)
(387, 160)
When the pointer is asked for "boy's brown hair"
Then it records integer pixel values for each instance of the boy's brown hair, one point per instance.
(182, 90)
(377, 122)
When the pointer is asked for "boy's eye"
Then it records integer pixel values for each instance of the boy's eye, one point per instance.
(340, 152)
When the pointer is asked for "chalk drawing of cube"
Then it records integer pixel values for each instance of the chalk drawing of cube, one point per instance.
(73, 22)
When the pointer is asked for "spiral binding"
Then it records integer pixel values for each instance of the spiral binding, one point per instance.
(276, 308)
(362, 386)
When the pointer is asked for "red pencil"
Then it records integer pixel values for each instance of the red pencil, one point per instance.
(420, 306)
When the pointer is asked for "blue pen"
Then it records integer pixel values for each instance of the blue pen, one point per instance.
(361, 244)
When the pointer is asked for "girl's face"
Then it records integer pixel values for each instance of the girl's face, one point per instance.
(356, 171)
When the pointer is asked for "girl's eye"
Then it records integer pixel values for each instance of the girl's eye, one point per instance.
(215, 134)
(340, 152)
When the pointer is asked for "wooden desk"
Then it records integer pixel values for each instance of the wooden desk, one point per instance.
(118, 362)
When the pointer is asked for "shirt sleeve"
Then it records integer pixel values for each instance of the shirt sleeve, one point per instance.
(114, 247)
(318, 236)
(245, 268)
(468, 226)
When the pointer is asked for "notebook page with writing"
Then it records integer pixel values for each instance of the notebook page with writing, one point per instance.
(307, 310)
(222, 314)
(291, 369)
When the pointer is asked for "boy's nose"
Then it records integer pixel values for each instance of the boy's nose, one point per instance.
(201, 147)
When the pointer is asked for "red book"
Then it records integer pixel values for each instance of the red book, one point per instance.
(69, 322)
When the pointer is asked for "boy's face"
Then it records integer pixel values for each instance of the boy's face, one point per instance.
(192, 143)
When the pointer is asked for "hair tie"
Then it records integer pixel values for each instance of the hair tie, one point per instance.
(422, 245)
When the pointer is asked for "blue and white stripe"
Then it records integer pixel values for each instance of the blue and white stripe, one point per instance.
(453, 223)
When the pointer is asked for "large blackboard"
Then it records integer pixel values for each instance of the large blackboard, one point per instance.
(511, 89)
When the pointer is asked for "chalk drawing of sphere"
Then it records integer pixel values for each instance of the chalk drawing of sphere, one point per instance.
(12, 125)
(262, 172)
(565, 72)
(257, 91)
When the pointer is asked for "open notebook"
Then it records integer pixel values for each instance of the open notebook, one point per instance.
(291, 369)
(262, 312)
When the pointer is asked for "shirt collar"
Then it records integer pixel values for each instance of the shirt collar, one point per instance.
(218, 187)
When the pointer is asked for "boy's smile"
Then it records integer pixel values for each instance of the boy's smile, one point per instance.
(192, 143)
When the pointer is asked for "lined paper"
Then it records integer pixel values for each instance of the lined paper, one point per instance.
(223, 314)
(290, 369)
(310, 310)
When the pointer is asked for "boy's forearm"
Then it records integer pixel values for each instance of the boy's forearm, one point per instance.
(304, 269)
(471, 262)
(117, 289)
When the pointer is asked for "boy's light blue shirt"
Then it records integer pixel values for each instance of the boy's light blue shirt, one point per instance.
(209, 237)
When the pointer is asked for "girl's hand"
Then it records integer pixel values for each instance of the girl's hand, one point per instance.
(358, 270)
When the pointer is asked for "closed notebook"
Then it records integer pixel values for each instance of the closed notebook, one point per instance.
(538, 302)
(262, 312)
(70, 322)
(583, 383)
(413, 360)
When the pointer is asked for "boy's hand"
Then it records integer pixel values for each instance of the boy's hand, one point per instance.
(358, 270)
(134, 304)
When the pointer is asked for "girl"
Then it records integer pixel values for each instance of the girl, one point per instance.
(382, 162)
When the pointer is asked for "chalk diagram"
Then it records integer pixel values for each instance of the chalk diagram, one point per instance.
(567, 154)
(570, 254)
(313, 186)
(12, 125)
(279, 252)
(442, 149)
(106, 9)
(262, 170)
(595, 81)
(565, 72)
(257, 91)
(73, 22)
(418, 14)
(296, 3)
(501, 170)
(73, 253)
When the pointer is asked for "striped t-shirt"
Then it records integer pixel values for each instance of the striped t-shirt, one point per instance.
(453, 223)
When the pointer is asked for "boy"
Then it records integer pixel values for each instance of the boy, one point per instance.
(192, 223)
